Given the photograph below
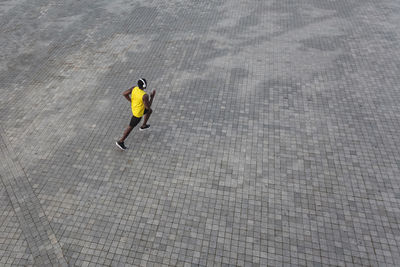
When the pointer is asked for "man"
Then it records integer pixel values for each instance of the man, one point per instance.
(140, 104)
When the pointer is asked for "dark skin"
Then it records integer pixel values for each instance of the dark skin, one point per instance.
(147, 101)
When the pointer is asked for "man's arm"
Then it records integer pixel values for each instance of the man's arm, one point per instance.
(127, 93)
(148, 101)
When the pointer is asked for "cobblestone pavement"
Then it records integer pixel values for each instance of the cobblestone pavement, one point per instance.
(274, 139)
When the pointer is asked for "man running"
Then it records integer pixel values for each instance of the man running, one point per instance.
(140, 103)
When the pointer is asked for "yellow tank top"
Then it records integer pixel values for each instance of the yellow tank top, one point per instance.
(137, 102)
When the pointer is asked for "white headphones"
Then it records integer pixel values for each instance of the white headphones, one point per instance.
(144, 83)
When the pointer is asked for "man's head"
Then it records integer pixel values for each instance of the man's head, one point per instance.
(142, 83)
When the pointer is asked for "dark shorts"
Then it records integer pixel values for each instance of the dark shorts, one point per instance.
(136, 120)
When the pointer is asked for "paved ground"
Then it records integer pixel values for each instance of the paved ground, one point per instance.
(274, 139)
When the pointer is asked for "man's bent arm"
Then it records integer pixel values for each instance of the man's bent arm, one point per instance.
(152, 95)
(151, 101)
(146, 101)
(127, 93)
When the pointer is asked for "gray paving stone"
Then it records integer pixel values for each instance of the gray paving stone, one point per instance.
(32, 221)
(273, 140)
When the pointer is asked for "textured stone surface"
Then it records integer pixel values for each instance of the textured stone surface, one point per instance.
(274, 137)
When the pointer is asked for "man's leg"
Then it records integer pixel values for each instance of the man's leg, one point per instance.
(128, 130)
(146, 118)
(126, 133)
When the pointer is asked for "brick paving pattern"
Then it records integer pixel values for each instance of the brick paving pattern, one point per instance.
(274, 138)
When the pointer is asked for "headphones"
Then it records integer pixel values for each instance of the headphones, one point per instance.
(144, 83)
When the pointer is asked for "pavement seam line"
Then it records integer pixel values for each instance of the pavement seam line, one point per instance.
(43, 244)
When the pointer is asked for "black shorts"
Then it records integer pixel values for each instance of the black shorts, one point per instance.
(136, 120)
